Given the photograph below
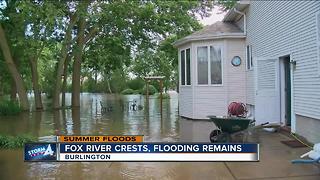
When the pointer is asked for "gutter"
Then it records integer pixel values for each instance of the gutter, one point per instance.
(211, 37)
(244, 20)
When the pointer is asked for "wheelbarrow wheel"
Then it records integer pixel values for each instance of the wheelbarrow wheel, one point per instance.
(214, 135)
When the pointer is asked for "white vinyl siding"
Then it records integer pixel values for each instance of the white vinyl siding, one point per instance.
(318, 29)
(278, 28)
(185, 102)
(267, 74)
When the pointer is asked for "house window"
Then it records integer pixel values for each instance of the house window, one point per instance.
(209, 70)
(188, 68)
(202, 64)
(215, 65)
(185, 67)
(249, 57)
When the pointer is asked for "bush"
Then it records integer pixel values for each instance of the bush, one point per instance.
(12, 142)
(8, 107)
(152, 90)
(136, 83)
(128, 91)
(137, 91)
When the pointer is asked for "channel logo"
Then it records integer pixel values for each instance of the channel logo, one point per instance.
(40, 152)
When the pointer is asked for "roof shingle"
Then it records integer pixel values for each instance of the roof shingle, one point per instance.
(216, 29)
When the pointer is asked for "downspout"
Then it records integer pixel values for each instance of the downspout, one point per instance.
(244, 20)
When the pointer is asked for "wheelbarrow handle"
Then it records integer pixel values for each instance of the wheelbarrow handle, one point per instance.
(252, 121)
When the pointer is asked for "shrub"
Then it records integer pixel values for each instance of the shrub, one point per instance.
(136, 83)
(152, 90)
(12, 142)
(8, 107)
(137, 91)
(128, 91)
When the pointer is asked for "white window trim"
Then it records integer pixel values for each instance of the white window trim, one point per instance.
(185, 67)
(209, 65)
(251, 59)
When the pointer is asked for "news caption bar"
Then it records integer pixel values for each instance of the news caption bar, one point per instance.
(132, 148)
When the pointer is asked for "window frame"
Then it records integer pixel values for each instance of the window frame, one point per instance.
(250, 67)
(209, 65)
(185, 67)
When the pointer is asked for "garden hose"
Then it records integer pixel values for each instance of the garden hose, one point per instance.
(295, 137)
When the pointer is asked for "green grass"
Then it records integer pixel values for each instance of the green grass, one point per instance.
(13, 142)
(8, 108)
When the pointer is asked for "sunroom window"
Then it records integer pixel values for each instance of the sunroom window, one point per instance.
(185, 67)
(188, 67)
(209, 72)
(215, 64)
(202, 60)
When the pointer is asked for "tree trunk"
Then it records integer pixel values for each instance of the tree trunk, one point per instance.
(96, 77)
(1, 88)
(77, 63)
(109, 88)
(64, 53)
(65, 77)
(13, 71)
(13, 93)
(35, 83)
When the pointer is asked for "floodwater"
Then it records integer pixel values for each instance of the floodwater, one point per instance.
(121, 120)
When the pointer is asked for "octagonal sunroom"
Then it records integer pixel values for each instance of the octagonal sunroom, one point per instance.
(211, 70)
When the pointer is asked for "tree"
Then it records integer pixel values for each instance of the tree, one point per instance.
(226, 4)
(28, 25)
(102, 36)
(13, 70)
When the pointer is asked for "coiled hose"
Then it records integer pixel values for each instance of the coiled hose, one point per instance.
(237, 109)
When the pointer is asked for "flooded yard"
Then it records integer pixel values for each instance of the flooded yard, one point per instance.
(119, 119)
(122, 120)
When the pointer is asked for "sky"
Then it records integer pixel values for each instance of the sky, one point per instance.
(216, 15)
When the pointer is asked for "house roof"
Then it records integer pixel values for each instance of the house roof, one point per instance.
(231, 14)
(217, 30)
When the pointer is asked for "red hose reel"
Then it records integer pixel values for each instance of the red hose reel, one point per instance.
(237, 109)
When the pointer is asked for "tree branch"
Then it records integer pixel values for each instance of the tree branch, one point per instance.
(91, 34)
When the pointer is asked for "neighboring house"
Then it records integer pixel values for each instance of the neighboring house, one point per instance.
(279, 75)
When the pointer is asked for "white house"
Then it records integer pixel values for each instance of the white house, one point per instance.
(278, 43)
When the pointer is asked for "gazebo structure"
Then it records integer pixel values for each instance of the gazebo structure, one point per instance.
(157, 78)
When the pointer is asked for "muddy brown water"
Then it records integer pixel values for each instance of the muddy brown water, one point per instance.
(89, 120)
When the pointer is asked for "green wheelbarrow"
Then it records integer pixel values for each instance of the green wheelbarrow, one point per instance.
(227, 126)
